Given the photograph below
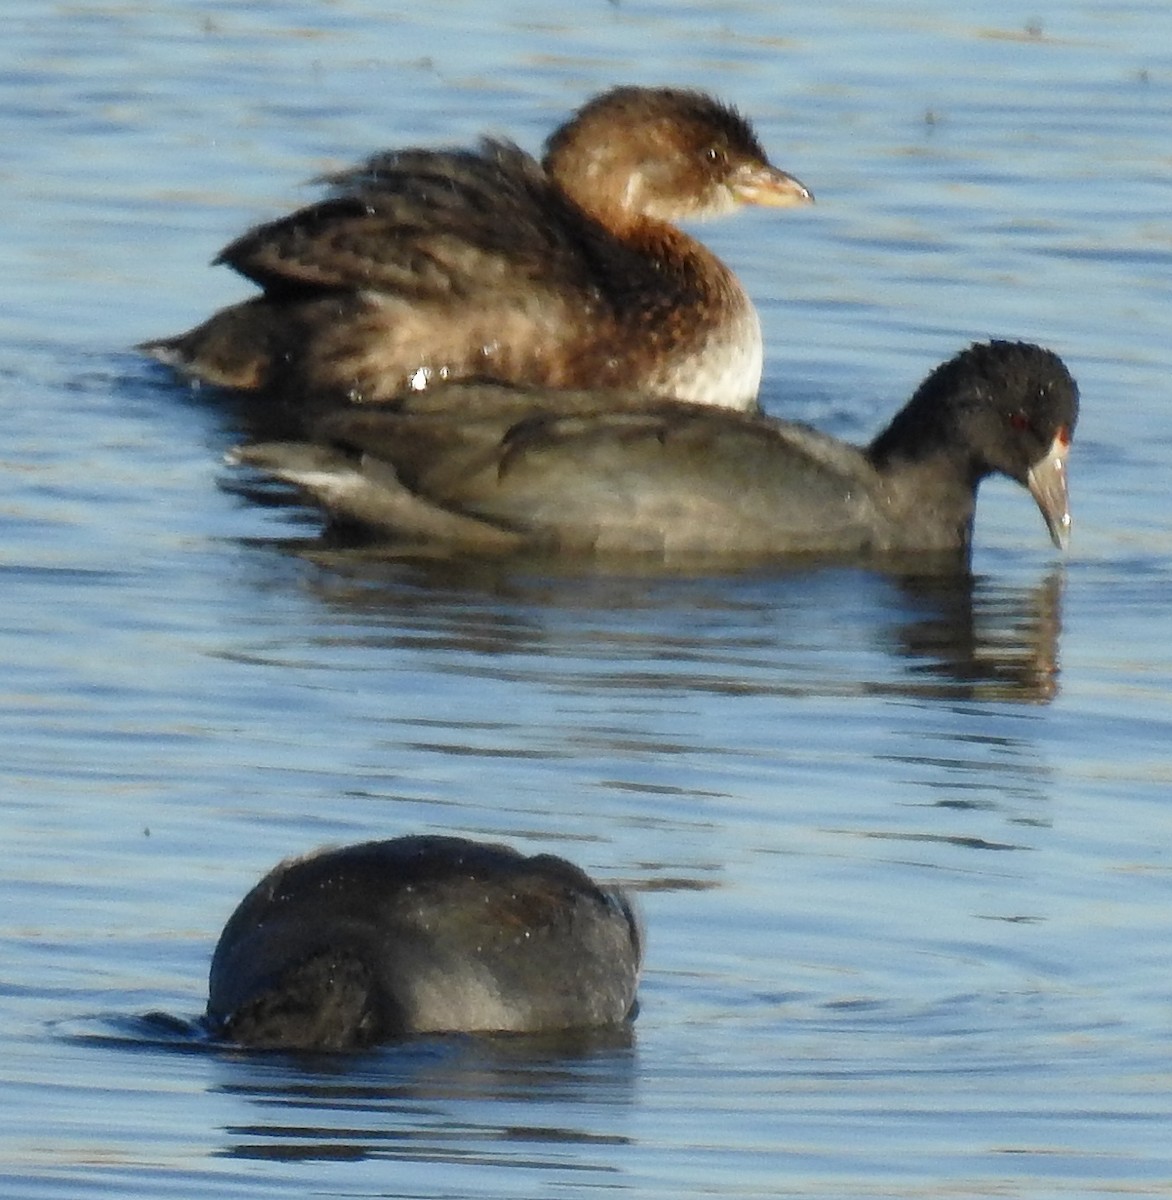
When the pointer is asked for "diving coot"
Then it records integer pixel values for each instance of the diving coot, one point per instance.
(352, 946)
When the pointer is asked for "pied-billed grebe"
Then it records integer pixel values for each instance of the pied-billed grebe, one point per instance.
(621, 474)
(432, 265)
(349, 947)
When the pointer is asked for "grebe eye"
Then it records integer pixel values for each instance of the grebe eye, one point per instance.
(713, 154)
(1019, 421)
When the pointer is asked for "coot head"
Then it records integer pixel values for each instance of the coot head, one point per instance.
(998, 406)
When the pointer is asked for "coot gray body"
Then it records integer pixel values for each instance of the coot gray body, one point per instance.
(352, 946)
(494, 470)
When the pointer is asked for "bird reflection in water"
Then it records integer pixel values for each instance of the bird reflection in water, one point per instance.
(981, 640)
(790, 630)
(443, 1099)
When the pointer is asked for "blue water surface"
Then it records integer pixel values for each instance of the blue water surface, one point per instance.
(902, 843)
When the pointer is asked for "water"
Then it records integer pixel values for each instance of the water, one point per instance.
(902, 844)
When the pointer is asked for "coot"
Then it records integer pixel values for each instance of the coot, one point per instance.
(348, 947)
(493, 470)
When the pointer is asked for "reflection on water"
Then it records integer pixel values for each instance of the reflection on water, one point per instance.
(978, 639)
(468, 1100)
(780, 631)
(472, 1100)
(902, 840)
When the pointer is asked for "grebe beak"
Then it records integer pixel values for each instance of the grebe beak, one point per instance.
(755, 183)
